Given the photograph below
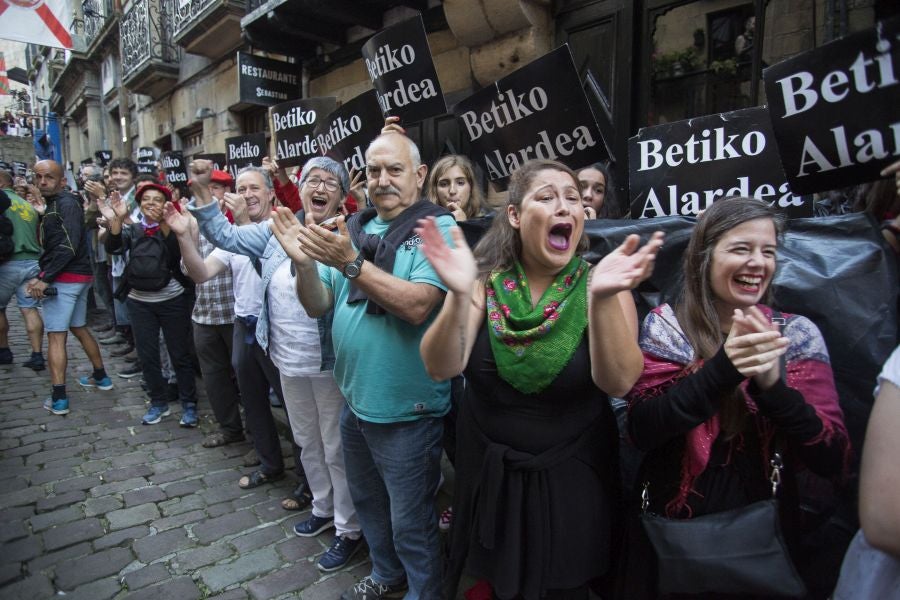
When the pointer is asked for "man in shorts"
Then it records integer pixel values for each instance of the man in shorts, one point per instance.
(65, 268)
(21, 267)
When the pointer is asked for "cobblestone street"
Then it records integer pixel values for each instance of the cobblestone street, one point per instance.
(94, 505)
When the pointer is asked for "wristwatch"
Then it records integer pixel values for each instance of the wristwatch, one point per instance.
(352, 269)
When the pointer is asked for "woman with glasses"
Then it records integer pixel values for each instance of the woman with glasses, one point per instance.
(299, 346)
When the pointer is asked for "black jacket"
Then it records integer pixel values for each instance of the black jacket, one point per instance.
(62, 238)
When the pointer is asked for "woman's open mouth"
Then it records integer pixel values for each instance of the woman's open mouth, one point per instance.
(559, 236)
(749, 283)
(319, 202)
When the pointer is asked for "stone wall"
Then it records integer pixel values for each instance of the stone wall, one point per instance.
(15, 148)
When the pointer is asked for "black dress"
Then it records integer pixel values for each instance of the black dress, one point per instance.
(537, 480)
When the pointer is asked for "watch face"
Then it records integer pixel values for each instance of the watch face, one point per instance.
(351, 271)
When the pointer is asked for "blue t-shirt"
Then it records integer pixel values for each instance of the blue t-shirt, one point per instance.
(377, 362)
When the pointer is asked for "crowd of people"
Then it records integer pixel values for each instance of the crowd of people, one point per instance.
(353, 302)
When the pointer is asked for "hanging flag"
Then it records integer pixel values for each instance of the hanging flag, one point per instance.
(4, 79)
(36, 22)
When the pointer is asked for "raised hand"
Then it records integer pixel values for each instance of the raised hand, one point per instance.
(275, 172)
(625, 267)
(286, 228)
(238, 207)
(358, 186)
(392, 125)
(95, 189)
(36, 199)
(455, 266)
(332, 248)
(589, 212)
(178, 222)
(200, 171)
(118, 206)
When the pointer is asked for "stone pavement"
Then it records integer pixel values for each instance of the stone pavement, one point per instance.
(94, 505)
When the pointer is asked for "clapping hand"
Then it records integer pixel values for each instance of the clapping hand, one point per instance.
(36, 200)
(238, 207)
(332, 248)
(626, 266)
(755, 345)
(286, 228)
(358, 186)
(95, 189)
(178, 222)
(455, 266)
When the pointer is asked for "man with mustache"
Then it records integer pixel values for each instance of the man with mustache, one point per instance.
(384, 294)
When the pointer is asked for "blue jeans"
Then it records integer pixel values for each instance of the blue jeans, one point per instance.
(393, 470)
(14, 274)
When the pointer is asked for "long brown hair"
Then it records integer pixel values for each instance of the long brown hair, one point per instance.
(473, 206)
(696, 311)
(501, 246)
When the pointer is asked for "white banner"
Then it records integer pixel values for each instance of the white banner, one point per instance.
(35, 22)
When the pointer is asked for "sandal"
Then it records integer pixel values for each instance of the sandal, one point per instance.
(214, 440)
(258, 478)
(300, 498)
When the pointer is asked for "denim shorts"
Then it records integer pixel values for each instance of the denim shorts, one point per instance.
(14, 274)
(68, 308)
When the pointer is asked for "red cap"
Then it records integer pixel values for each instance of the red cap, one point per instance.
(153, 186)
(221, 177)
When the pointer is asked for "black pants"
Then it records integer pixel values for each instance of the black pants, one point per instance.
(103, 287)
(173, 317)
(256, 374)
(214, 345)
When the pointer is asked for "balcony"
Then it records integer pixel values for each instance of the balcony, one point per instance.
(149, 58)
(98, 15)
(210, 28)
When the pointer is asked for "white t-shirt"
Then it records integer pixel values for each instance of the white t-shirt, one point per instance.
(868, 572)
(248, 291)
(293, 335)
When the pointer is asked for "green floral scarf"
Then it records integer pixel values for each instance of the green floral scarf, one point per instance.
(531, 345)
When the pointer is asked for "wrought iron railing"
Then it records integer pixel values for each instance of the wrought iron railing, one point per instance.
(146, 32)
(185, 11)
(95, 13)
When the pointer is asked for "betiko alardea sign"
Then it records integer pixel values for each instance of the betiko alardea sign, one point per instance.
(345, 134)
(681, 168)
(266, 81)
(402, 71)
(216, 158)
(836, 109)
(538, 111)
(173, 164)
(244, 151)
(293, 124)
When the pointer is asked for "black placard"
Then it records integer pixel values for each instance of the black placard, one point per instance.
(216, 158)
(836, 109)
(147, 168)
(103, 157)
(346, 132)
(243, 151)
(87, 161)
(398, 60)
(266, 81)
(173, 164)
(146, 154)
(293, 124)
(679, 169)
(538, 111)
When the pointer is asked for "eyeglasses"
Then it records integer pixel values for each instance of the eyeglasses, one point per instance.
(330, 184)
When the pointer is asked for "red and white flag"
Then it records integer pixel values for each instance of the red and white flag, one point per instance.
(36, 22)
(4, 79)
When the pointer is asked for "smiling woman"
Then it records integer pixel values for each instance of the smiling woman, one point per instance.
(542, 339)
(727, 383)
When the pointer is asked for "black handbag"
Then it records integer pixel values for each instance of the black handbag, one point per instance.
(739, 551)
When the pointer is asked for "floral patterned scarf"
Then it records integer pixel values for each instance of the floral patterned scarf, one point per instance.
(532, 344)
